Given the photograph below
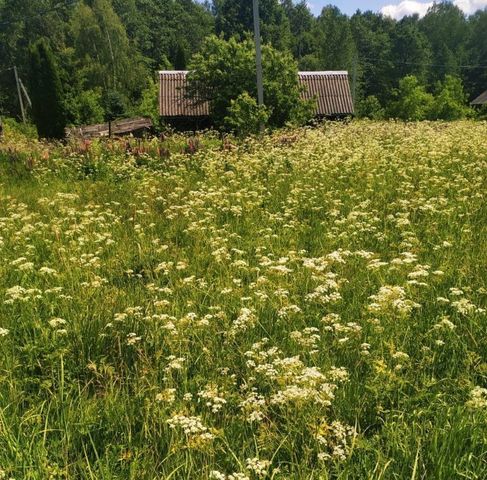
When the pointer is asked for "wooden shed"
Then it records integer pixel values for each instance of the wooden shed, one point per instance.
(331, 89)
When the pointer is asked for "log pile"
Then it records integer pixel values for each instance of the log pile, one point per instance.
(126, 126)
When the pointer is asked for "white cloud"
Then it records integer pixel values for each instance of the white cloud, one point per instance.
(407, 7)
(410, 7)
(471, 6)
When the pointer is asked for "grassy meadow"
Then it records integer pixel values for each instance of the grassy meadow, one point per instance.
(311, 305)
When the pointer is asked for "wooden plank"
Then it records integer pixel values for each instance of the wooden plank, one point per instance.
(119, 127)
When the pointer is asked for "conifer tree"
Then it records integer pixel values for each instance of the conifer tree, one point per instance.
(48, 109)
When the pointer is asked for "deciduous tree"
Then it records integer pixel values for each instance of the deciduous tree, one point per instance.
(224, 70)
(412, 101)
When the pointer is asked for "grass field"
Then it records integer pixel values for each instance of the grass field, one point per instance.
(310, 306)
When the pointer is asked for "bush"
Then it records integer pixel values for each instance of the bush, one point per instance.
(149, 103)
(482, 114)
(13, 128)
(451, 100)
(88, 107)
(114, 105)
(245, 116)
(224, 70)
(371, 108)
(412, 101)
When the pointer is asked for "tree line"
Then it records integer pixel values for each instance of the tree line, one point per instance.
(103, 53)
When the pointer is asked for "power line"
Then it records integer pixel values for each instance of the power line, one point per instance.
(418, 64)
(67, 3)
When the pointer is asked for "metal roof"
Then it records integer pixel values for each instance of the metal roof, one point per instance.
(172, 99)
(324, 72)
(481, 99)
(332, 92)
(331, 88)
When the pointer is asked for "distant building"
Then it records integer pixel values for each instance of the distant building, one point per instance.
(331, 89)
(480, 100)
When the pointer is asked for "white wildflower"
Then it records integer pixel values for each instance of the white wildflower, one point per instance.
(478, 398)
(391, 298)
(258, 467)
(167, 396)
(133, 339)
(56, 322)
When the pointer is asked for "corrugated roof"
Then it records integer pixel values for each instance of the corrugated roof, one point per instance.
(331, 88)
(172, 100)
(481, 99)
(332, 92)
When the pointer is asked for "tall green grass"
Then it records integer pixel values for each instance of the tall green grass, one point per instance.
(306, 306)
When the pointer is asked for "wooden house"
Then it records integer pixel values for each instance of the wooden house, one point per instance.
(330, 88)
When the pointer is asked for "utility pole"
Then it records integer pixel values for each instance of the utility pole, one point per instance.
(354, 81)
(21, 101)
(29, 102)
(258, 57)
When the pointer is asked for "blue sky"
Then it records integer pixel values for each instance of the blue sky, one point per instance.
(393, 8)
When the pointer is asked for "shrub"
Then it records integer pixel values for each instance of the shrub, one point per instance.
(16, 129)
(149, 103)
(245, 116)
(114, 105)
(412, 101)
(224, 70)
(371, 108)
(88, 107)
(482, 114)
(451, 100)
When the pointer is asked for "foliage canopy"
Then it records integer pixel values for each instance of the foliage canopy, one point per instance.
(225, 69)
(412, 101)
